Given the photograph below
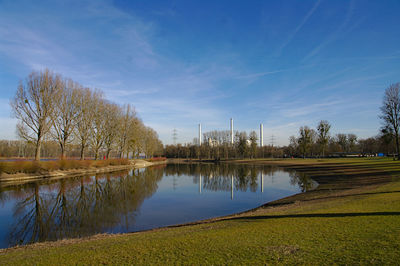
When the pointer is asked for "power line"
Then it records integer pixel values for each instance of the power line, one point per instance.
(272, 140)
(174, 135)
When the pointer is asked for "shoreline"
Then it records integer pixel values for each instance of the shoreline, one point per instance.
(322, 193)
(22, 178)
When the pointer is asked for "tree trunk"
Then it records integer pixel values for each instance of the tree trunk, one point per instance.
(397, 145)
(62, 146)
(37, 150)
(82, 152)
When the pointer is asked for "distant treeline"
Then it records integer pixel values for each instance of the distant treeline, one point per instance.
(309, 143)
(52, 109)
(319, 143)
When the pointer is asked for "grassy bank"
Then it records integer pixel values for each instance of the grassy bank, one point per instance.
(33, 167)
(352, 218)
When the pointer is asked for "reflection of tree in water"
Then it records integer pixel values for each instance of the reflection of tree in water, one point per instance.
(217, 177)
(77, 207)
(82, 206)
(302, 180)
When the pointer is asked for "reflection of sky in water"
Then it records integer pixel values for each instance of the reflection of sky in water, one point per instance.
(138, 200)
(186, 203)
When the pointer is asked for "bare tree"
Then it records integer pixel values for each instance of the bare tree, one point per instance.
(342, 140)
(112, 116)
(323, 135)
(99, 123)
(126, 122)
(66, 113)
(351, 142)
(150, 142)
(293, 145)
(136, 133)
(253, 143)
(33, 105)
(85, 104)
(390, 112)
(306, 139)
(241, 143)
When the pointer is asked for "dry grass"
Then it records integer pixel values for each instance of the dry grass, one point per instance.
(157, 159)
(33, 167)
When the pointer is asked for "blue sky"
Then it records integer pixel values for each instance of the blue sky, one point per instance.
(281, 63)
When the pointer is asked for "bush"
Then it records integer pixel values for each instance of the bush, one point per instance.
(101, 163)
(51, 166)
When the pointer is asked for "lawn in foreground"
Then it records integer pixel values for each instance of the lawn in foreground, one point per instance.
(361, 227)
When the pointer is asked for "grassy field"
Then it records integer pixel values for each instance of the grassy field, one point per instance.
(352, 218)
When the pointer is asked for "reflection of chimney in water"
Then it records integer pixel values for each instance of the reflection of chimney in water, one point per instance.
(200, 184)
(231, 187)
(262, 182)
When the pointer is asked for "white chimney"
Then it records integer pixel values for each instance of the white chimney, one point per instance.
(261, 135)
(199, 134)
(231, 131)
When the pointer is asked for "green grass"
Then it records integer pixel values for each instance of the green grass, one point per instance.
(357, 225)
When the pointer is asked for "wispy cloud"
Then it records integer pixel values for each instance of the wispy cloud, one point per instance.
(299, 26)
(333, 36)
(306, 109)
(178, 69)
(72, 48)
(260, 74)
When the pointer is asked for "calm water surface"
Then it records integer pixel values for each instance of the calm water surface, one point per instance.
(137, 200)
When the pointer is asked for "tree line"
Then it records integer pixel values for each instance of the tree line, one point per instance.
(320, 143)
(310, 142)
(219, 146)
(50, 107)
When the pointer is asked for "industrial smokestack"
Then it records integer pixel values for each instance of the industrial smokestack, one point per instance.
(231, 131)
(261, 135)
(199, 134)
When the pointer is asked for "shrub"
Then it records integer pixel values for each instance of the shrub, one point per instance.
(29, 167)
(86, 163)
(51, 166)
(101, 163)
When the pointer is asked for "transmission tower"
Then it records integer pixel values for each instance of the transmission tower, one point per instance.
(272, 140)
(174, 135)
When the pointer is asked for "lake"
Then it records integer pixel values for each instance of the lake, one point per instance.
(137, 200)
